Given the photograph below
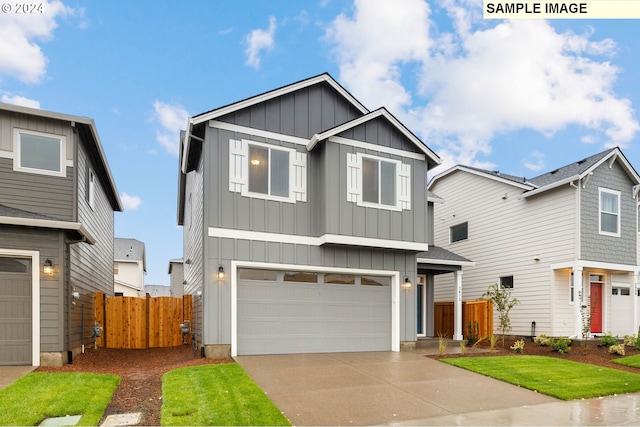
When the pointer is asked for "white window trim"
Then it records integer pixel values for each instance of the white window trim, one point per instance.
(239, 173)
(617, 194)
(91, 189)
(395, 293)
(355, 182)
(17, 158)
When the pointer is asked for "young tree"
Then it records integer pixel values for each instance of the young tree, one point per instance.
(503, 302)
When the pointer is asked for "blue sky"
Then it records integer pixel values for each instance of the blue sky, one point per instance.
(520, 96)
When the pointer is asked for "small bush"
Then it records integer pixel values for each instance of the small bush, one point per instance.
(493, 339)
(463, 348)
(543, 340)
(518, 346)
(442, 345)
(630, 340)
(561, 345)
(608, 340)
(617, 349)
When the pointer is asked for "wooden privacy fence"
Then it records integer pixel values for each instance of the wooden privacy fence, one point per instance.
(477, 317)
(141, 322)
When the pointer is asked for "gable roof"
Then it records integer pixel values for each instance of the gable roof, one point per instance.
(555, 178)
(129, 250)
(87, 128)
(381, 112)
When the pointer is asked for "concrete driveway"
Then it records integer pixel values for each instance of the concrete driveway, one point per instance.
(381, 388)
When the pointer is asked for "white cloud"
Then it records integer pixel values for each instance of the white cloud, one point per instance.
(172, 119)
(259, 40)
(20, 54)
(20, 100)
(536, 164)
(130, 203)
(475, 82)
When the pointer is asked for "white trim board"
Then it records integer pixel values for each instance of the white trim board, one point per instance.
(35, 298)
(337, 239)
(257, 132)
(395, 293)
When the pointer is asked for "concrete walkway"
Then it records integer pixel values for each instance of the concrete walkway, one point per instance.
(407, 388)
(9, 374)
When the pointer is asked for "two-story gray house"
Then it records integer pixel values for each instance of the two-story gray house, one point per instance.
(561, 241)
(303, 214)
(57, 204)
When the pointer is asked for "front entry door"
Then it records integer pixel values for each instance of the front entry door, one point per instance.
(596, 308)
(421, 298)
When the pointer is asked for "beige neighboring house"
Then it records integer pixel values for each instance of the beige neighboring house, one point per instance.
(129, 267)
(157, 290)
(176, 277)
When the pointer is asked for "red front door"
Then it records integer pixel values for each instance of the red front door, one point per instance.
(596, 308)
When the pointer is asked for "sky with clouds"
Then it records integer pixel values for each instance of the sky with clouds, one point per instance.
(520, 96)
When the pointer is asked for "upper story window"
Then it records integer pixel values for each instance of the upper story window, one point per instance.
(91, 189)
(38, 152)
(266, 171)
(459, 232)
(609, 212)
(378, 182)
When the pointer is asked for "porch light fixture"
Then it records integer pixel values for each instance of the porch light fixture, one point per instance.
(407, 283)
(48, 267)
(221, 273)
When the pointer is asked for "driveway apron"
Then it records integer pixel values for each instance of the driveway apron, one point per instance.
(378, 388)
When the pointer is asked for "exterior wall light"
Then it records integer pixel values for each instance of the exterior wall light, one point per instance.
(221, 273)
(407, 283)
(47, 269)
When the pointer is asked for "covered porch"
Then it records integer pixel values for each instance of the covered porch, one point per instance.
(434, 262)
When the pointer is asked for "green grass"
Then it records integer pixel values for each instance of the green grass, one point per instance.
(216, 395)
(41, 395)
(563, 379)
(632, 361)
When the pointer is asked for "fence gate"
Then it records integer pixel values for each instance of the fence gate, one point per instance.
(477, 317)
(141, 322)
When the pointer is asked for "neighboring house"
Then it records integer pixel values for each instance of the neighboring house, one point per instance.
(303, 214)
(157, 290)
(559, 241)
(129, 267)
(176, 277)
(57, 203)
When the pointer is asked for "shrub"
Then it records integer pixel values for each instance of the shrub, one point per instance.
(617, 349)
(463, 348)
(503, 302)
(630, 340)
(518, 346)
(442, 345)
(561, 345)
(492, 343)
(608, 340)
(542, 339)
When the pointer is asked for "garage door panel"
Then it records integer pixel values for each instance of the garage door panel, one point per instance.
(285, 317)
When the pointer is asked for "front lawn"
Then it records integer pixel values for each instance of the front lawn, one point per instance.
(41, 395)
(216, 395)
(632, 361)
(555, 377)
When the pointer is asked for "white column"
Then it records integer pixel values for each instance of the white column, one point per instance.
(578, 301)
(633, 285)
(457, 307)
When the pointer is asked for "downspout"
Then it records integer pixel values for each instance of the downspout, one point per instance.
(67, 243)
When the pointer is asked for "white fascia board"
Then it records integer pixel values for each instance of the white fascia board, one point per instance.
(524, 186)
(375, 147)
(186, 145)
(316, 241)
(45, 223)
(550, 186)
(613, 156)
(257, 132)
(435, 199)
(279, 92)
(596, 265)
(445, 262)
(368, 117)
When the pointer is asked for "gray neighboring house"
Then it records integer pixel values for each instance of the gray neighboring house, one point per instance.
(560, 241)
(57, 204)
(303, 215)
(176, 277)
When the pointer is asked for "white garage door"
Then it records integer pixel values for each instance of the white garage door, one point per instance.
(15, 311)
(282, 312)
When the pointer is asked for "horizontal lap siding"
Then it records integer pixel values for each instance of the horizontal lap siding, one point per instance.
(504, 238)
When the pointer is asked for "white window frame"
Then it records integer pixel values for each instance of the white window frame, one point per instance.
(91, 189)
(17, 160)
(600, 211)
(239, 171)
(355, 182)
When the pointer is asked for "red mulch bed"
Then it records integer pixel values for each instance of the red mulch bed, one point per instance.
(581, 351)
(140, 373)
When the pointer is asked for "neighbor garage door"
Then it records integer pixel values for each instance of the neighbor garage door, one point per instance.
(15, 311)
(281, 312)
